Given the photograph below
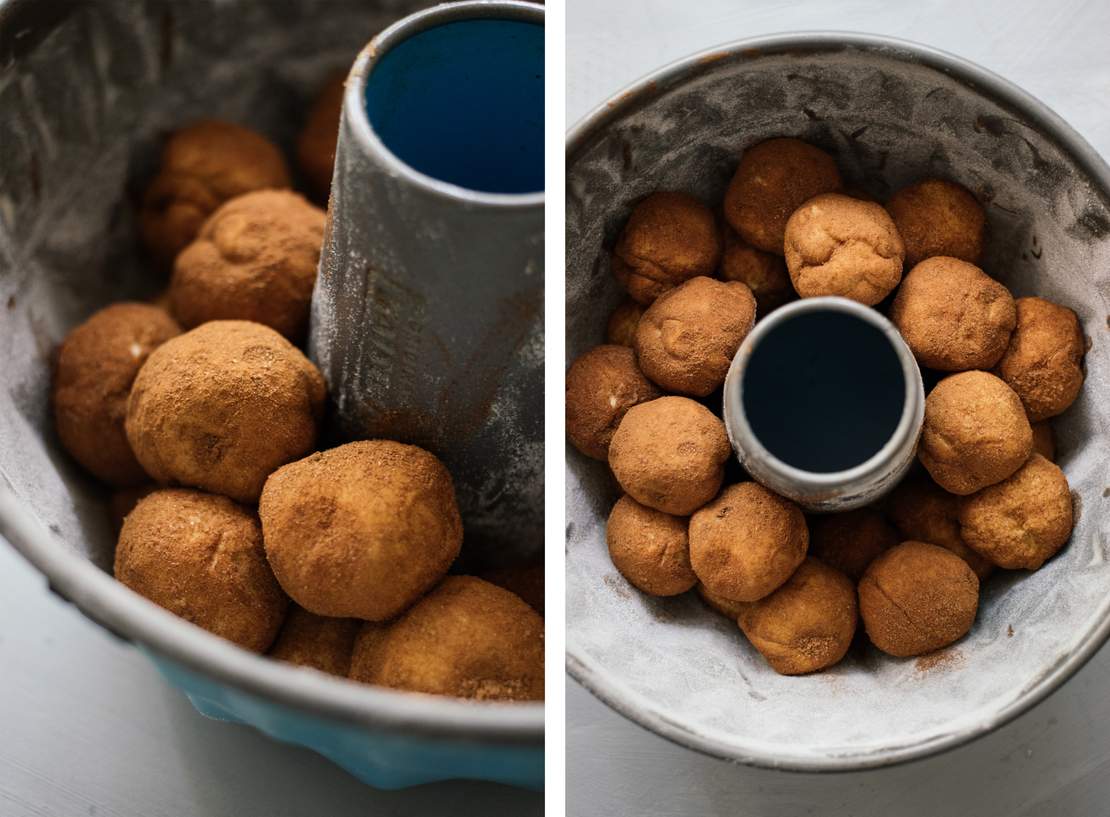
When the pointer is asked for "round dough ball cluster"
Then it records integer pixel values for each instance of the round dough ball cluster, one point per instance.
(838, 245)
(318, 642)
(651, 549)
(975, 432)
(669, 238)
(602, 385)
(204, 165)
(747, 542)
(851, 540)
(222, 406)
(254, 259)
(924, 512)
(917, 598)
(953, 316)
(1023, 521)
(467, 639)
(1044, 361)
(318, 139)
(807, 624)
(687, 338)
(938, 217)
(200, 556)
(669, 454)
(763, 273)
(774, 178)
(621, 328)
(362, 530)
(96, 365)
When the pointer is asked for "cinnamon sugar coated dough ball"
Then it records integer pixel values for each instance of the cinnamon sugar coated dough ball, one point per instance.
(747, 542)
(953, 316)
(837, 245)
(1044, 440)
(807, 624)
(204, 165)
(319, 642)
(975, 432)
(764, 273)
(917, 598)
(601, 386)
(96, 365)
(650, 548)
(686, 339)
(319, 137)
(938, 217)
(669, 454)
(467, 639)
(773, 179)
(254, 259)
(726, 607)
(1044, 362)
(362, 530)
(527, 581)
(200, 556)
(924, 512)
(849, 541)
(669, 238)
(222, 406)
(1022, 521)
(621, 329)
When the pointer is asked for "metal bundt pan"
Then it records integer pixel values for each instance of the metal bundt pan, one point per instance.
(88, 91)
(891, 112)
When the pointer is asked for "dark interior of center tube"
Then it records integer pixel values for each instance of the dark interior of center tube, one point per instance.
(823, 391)
(463, 103)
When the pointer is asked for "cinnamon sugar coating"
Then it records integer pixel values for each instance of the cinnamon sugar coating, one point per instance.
(601, 386)
(319, 642)
(651, 549)
(938, 217)
(1044, 361)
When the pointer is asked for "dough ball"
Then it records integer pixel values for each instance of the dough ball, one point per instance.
(954, 316)
(467, 639)
(1023, 521)
(319, 137)
(807, 624)
(200, 556)
(837, 245)
(688, 337)
(773, 179)
(621, 329)
(669, 454)
(319, 642)
(601, 386)
(1044, 361)
(527, 581)
(96, 365)
(222, 406)
(850, 541)
(254, 259)
(669, 238)
(937, 217)
(1044, 440)
(975, 432)
(362, 530)
(924, 512)
(650, 548)
(763, 273)
(726, 607)
(917, 598)
(747, 542)
(204, 165)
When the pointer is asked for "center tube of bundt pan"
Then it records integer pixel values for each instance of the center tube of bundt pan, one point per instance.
(824, 404)
(427, 318)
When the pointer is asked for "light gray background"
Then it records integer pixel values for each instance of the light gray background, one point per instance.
(1053, 760)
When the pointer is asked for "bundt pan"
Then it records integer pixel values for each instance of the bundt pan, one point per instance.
(88, 91)
(891, 112)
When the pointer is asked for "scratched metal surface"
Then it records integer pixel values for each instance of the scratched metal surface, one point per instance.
(1052, 760)
(684, 670)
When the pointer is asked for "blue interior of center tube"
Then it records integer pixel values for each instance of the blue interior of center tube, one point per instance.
(463, 103)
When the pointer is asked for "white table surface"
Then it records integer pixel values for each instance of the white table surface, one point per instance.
(1054, 760)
